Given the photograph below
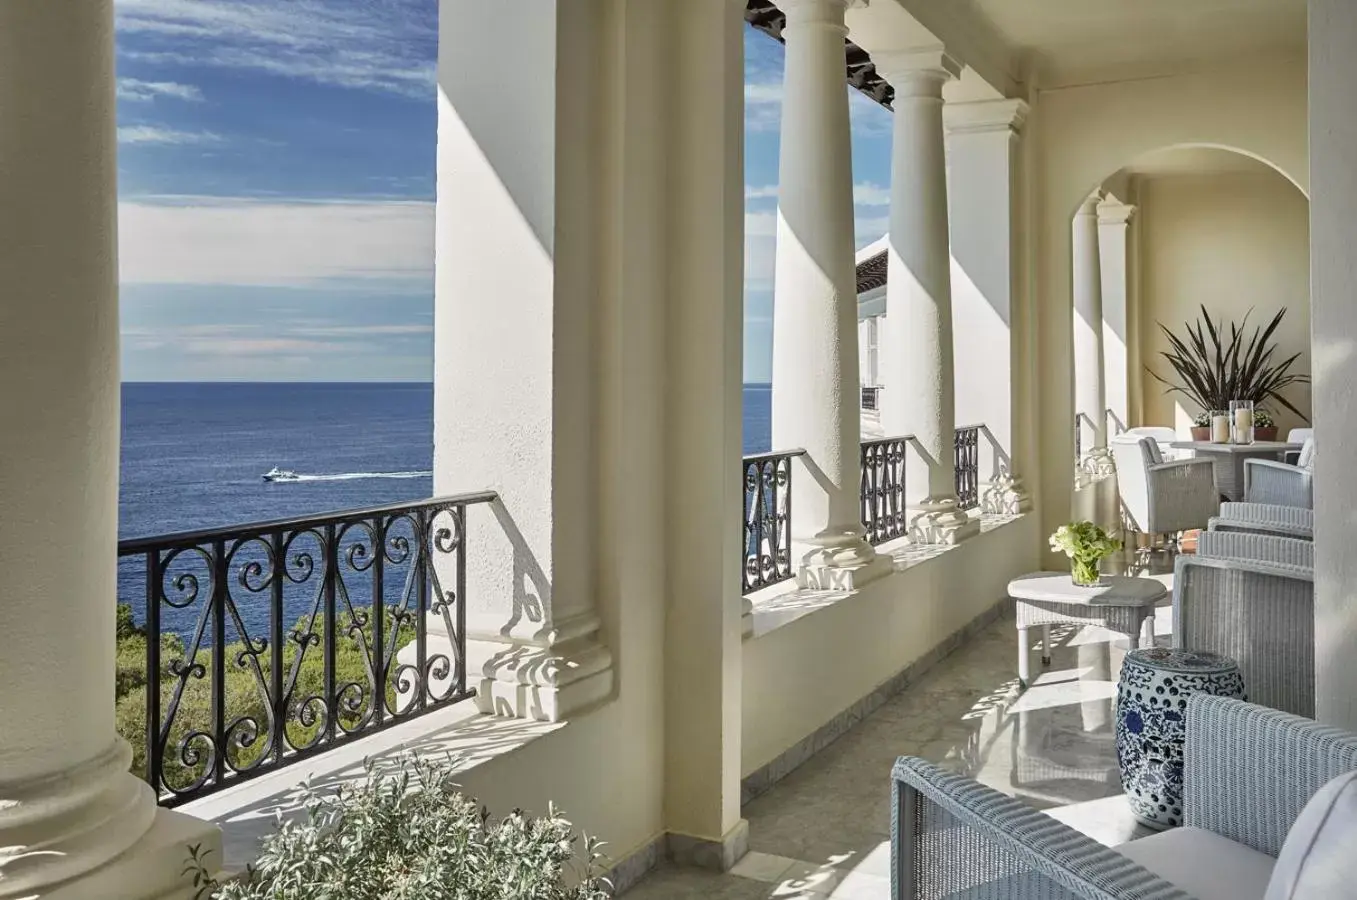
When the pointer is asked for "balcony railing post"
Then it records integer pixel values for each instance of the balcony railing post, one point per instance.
(277, 628)
(219, 570)
(459, 512)
(153, 663)
(379, 620)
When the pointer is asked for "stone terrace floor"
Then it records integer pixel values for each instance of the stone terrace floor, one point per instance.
(824, 830)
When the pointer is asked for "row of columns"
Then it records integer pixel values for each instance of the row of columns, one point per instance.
(815, 335)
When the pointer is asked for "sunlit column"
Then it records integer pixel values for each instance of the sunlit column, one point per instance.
(916, 342)
(991, 345)
(1090, 392)
(70, 811)
(515, 395)
(815, 338)
(1113, 219)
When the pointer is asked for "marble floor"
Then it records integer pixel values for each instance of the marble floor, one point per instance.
(823, 831)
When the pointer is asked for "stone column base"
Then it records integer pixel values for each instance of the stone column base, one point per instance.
(704, 853)
(1097, 462)
(831, 569)
(1005, 496)
(544, 683)
(153, 867)
(942, 524)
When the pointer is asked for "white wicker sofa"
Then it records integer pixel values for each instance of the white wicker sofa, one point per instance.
(1248, 774)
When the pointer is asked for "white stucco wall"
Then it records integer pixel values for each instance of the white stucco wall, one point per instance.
(1081, 136)
(1234, 242)
(803, 674)
(1333, 272)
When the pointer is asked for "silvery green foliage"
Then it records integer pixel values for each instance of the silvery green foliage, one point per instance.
(408, 834)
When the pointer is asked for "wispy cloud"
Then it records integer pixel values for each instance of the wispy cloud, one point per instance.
(136, 90)
(379, 45)
(867, 193)
(157, 134)
(760, 192)
(268, 340)
(284, 243)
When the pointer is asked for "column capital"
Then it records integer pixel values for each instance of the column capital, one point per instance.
(917, 71)
(985, 116)
(825, 13)
(1114, 212)
(1090, 205)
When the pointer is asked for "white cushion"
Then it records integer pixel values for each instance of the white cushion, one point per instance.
(1306, 459)
(1317, 861)
(1204, 864)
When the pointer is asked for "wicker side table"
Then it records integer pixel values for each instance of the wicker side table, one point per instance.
(1152, 698)
(1120, 603)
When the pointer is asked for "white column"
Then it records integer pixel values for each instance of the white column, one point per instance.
(916, 345)
(1333, 280)
(815, 338)
(515, 396)
(983, 214)
(1113, 234)
(70, 812)
(1090, 394)
(701, 530)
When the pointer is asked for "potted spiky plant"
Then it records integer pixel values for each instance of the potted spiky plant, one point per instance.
(1214, 367)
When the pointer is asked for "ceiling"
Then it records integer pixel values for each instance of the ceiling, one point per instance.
(1076, 41)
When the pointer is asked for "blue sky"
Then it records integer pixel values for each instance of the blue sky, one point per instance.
(276, 177)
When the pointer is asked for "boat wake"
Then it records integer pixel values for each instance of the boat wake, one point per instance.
(352, 476)
(357, 476)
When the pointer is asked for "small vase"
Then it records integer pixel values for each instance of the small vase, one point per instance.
(1084, 574)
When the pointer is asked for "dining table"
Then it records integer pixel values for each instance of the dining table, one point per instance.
(1228, 460)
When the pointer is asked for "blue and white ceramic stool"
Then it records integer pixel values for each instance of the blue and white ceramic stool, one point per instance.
(1151, 724)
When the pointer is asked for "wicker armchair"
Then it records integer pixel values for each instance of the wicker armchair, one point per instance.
(1248, 772)
(1260, 614)
(1160, 497)
(1266, 548)
(1283, 484)
(1265, 518)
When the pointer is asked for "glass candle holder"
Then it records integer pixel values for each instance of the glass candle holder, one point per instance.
(1241, 421)
(1220, 426)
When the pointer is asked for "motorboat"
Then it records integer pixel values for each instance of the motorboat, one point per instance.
(277, 474)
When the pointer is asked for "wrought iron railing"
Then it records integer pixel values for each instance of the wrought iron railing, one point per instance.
(768, 519)
(967, 450)
(269, 642)
(871, 397)
(883, 489)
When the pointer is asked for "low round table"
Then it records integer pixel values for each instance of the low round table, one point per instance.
(1152, 723)
(1121, 603)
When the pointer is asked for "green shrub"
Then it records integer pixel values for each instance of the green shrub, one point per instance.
(243, 693)
(408, 834)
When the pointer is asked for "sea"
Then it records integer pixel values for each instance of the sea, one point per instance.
(193, 456)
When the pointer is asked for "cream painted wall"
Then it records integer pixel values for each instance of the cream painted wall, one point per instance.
(1081, 136)
(803, 674)
(1233, 241)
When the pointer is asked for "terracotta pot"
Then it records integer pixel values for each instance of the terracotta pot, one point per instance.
(1201, 432)
(1265, 434)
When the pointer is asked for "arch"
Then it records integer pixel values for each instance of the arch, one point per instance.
(1084, 134)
